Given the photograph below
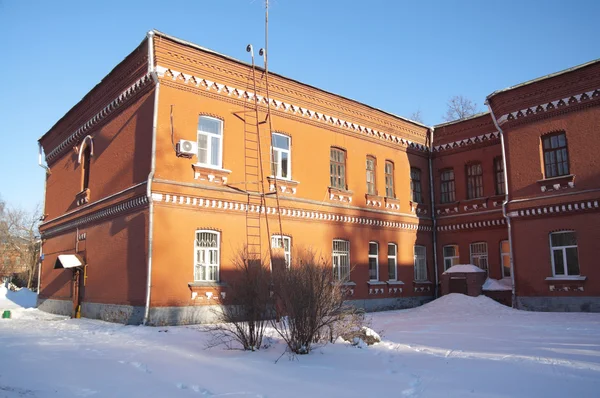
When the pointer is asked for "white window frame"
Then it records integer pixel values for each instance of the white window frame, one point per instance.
(479, 255)
(376, 257)
(277, 152)
(502, 255)
(420, 262)
(395, 258)
(207, 249)
(564, 253)
(451, 258)
(338, 257)
(275, 244)
(209, 137)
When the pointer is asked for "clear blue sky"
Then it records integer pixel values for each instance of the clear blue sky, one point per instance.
(396, 55)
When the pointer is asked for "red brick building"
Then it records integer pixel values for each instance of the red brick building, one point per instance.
(156, 178)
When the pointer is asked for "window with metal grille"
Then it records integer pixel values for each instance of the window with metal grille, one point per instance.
(499, 173)
(371, 176)
(285, 243)
(565, 258)
(451, 257)
(420, 263)
(447, 194)
(373, 261)
(207, 247)
(392, 261)
(556, 157)
(281, 164)
(389, 179)
(337, 168)
(479, 255)
(474, 181)
(210, 143)
(415, 184)
(505, 258)
(341, 260)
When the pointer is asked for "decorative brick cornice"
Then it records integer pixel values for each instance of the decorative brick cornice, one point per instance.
(232, 206)
(472, 225)
(542, 109)
(467, 141)
(546, 210)
(107, 212)
(91, 124)
(284, 107)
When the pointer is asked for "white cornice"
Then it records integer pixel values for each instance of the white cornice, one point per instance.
(471, 225)
(282, 106)
(467, 141)
(556, 209)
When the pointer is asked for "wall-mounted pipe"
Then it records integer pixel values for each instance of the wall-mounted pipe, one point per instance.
(432, 196)
(152, 72)
(504, 204)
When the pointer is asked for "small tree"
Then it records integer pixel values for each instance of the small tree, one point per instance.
(416, 116)
(460, 107)
(310, 302)
(248, 308)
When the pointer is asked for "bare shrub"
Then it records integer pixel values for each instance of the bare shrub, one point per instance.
(310, 301)
(249, 306)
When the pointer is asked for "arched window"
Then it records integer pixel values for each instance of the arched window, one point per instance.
(337, 168)
(415, 185)
(479, 255)
(389, 180)
(474, 181)
(392, 262)
(420, 258)
(281, 162)
(373, 261)
(207, 247)
(283, 243)
(85, 167)
(371, 183)
(565, 258)
(341, 260)
(451, 257)
(210, 141)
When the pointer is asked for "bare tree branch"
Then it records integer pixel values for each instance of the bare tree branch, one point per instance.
(460, 107)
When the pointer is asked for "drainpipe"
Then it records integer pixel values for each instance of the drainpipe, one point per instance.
(504, 204)
(152, 72)
(43, 166)
(431, 194)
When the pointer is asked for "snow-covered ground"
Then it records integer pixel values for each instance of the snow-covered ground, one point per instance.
(456, 346)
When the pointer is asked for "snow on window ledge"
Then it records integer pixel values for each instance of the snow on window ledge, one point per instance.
(374, 283)
(567, 278)
(395, 283)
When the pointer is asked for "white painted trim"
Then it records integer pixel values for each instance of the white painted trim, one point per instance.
(286, 107)
(467, 141)
(566, 278)
(561, 208)
(209, 137)
(472, 225)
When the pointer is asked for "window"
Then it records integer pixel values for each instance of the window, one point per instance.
(337, 168)
(474, 181)
(341, 260)
(479, 255)
(415, 184)
(281, 165)
(505, 258)
(556, 158)
(371, 176)
(499, 173)
(447, 186)
(389, 180)
(565, 259)
(373, 261)
(392, 262)
(285, 243)
(210, 143)
(450, 256)
(207, 256)
(85, 183)
(18, 261)
(420, 264)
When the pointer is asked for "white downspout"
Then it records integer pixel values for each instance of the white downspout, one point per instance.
(43, 166)
(432, 196)
(152, 72)
(504, 204)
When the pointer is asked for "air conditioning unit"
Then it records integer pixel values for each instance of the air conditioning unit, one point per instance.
(187, 148)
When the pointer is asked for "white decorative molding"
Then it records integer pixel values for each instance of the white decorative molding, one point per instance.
(467, 141)
(556, 209)
(374, 203)
(282, 106)
(548, 106)
(230, 206)
(472, 225)
(84, 129)
(98, 215)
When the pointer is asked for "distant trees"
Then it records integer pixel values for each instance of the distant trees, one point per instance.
(460, 107)
(416, 116)
(19, 243)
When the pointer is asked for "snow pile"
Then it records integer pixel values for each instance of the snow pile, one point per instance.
(22, 298)
(495, 285)
(463, 268)
(456, 303)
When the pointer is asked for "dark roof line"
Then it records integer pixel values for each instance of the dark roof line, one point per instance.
(461, 120)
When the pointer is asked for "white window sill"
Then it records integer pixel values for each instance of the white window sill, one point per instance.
(283, 179)
(423, 282)
(375, 283)
(207, 284)
(212, 167)
(395, 283)
(566, 278)
(348, 283)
